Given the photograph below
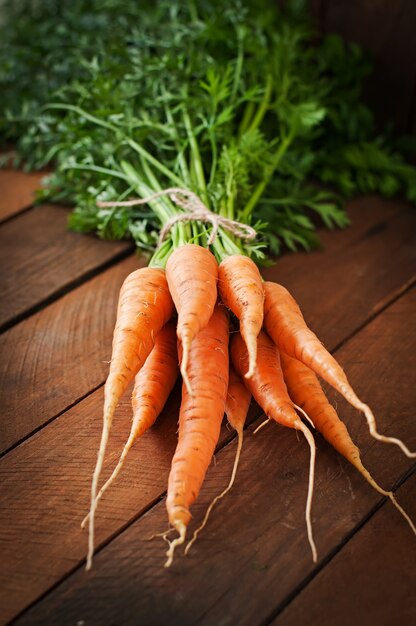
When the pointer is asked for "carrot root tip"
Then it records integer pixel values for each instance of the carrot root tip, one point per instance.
(369, 415)
(305, 415)
(309, 438)
(402, 511)
(164, 535)
(181, 528)
(266, 421)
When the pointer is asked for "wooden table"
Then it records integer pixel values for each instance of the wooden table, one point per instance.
(252, 564)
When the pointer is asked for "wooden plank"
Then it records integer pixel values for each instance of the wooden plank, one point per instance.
(392, 44)
(17, 191)
(40, 257)
(350, 590)
(256, 537)
(59, 355)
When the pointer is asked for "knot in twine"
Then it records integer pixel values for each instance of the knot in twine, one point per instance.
(195, 210)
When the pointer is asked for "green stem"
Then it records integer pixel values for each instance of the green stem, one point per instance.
(196, 158)
(264, 105)
(238, 67)
(95, 168)
(181, 159)
(214, 151)
(133, 144)
(259, 190)
(247, 115)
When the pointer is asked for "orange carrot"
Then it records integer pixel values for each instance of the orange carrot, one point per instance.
(241, 289)
(305, 390)
(238, 401)
(269, 390)
(236, 409)
(144, 307)
(152, 387)
(199, 421)
(285, 324)
(192, 273)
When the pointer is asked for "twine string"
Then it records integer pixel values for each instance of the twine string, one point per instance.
(195, 210)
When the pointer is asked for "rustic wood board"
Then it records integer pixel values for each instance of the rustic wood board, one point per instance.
(350, 589)
(40, 259)
(256, 538)
(17, 191)
(60, 354)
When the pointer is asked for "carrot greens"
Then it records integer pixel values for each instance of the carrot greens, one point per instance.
(245, 106)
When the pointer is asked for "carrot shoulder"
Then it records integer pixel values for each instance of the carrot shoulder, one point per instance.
(285, 324)
(192, 273)
(199, 421)
(241, 289)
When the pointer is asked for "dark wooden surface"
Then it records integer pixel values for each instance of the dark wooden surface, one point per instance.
(386, 30)
(252, 564)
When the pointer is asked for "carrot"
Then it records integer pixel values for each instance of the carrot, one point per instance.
(241, 289)
(238, 401)
(305, 390)
(152, 387)
(236, 409)
(144, 307)
(269, 390)
(192, 273)
(199, 421)
(284, 322)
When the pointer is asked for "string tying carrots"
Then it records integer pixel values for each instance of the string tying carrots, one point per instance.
(196, 211)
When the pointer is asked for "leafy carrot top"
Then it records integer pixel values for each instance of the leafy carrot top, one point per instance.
(241, 103)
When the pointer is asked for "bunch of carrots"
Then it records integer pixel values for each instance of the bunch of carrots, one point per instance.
(178, 320)
(216, 118)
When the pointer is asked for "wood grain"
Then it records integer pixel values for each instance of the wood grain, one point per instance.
(17, 191)
(350, 589)
(55, 357)
(256, 538)
(39, 257)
